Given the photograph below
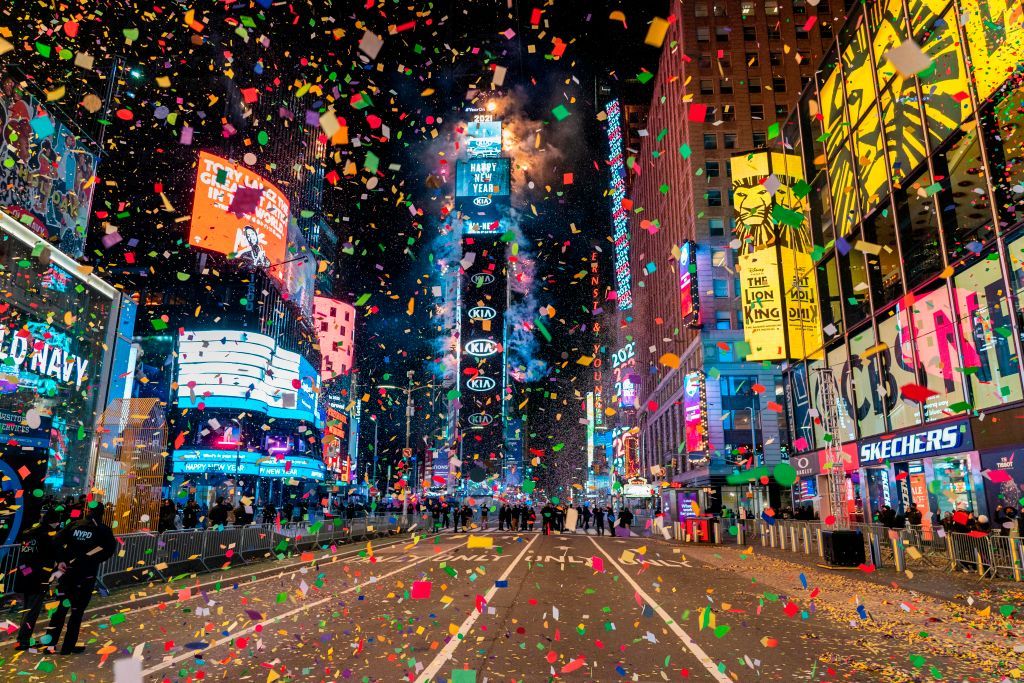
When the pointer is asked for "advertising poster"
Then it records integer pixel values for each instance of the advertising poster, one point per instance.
(689, 300)
(695, 412)
(236, 211)
(995, 39)
(1003, 477)
(47, 172)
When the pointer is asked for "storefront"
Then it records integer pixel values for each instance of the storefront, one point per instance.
(999, 439)
(811, 489)
(61, 331)
(934, 467)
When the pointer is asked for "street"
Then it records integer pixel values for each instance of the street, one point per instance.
(506, 607)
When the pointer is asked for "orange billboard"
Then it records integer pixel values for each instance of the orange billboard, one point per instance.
(237, 212)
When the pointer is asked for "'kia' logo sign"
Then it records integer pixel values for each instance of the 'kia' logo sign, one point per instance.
(481, 348)
(481, 279)
(482, 201)
(481, 419)
(481, 383)
(482, 313)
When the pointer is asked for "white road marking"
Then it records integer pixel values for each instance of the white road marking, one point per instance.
(446, 652)
(171, 661)
(238, 578)
(690, 644)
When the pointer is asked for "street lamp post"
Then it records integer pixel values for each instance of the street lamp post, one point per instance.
(408, 423)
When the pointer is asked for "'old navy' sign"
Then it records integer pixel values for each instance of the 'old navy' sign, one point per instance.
(927, 442)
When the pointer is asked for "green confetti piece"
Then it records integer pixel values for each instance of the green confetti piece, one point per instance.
(282, 597)
(116, 619)
(363, 298)
(560, 112)
(43, 49)
(131, 34)
(773, 131)
(644, 77)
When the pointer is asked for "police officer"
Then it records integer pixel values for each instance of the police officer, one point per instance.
(81, 548)
(34, 569)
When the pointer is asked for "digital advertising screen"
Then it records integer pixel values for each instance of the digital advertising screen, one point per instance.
(247, 371)
(483, 139)
(238, 212)
(695, 412)
(689, 299)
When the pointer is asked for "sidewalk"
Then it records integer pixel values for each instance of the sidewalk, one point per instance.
(921, 578)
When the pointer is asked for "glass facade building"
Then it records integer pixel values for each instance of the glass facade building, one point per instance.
(914, 188)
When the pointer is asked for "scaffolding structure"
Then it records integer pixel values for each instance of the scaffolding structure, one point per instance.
(835, 457)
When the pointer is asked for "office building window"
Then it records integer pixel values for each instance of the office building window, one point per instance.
(775, 58)
(757, 112)
(730, 140)
(747, 7)
(714, 197)
(721, 288)
(723, 320)
(749, 33)
(704, 62)
(771, 7)
(779, 84)
(804, 80)
(703, 34)
(720, 9)
(707, 86)
(773, 32)
(799, 6)
(752, 60)
(825, 31)
(801, 33)
(709, 115)
(754, 85)
(722, 34)
(728, 113)
(760, 137)
(725, 86)
(700, 9)
(710, 141)
(712, 169)
(781, 111)
(716, 227)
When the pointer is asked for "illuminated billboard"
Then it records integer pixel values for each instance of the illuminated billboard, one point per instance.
(246, 463)
(689, 293)
(779, 291)
(620, 217)
(483, 181)
(245, 371)
(695, 412)
(995, 38)
(483, 139)
(237, 212)
(623, 364)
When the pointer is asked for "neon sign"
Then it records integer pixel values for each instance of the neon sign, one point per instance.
(620, 220)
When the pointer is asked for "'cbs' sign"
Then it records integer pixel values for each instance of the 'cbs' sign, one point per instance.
(481, 419)
(481, 348)
(482, 313)
(481, 383)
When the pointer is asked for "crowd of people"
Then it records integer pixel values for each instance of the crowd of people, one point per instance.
(524, 517)
(193, 515)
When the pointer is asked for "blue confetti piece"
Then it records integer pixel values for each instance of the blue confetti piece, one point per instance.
(501, 584)
(803, 580)
(862, 612)
(842, 246)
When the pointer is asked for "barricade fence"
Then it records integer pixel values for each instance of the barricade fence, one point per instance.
(143, 556)
(989, 555)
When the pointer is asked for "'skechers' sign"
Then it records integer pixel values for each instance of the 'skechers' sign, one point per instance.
(939, 440)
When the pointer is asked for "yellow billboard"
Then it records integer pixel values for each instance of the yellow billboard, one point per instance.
(779, 291)
(995, 38)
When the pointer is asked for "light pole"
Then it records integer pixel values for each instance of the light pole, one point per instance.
(408, 422)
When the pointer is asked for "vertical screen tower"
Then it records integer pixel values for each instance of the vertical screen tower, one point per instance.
(482, 196)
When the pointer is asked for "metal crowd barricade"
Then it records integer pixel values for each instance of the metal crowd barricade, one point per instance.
(224, 546)
(134, 560)
(258, 540)
(10, 555)
(181, 550)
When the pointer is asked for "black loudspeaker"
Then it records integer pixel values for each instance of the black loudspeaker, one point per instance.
(843, 548)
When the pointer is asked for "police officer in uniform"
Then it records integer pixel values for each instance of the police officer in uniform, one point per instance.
(81, 548)
(34, 569)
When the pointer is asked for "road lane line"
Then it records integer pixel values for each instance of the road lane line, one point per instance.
(273, 620)
(446, 652)
(239, 578)
(689, 642)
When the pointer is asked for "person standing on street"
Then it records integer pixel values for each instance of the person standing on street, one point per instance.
(34, 569)
(190, 515)
(625, 519)
(599, 520)
(483, 517)
(168, 513)
(586, 519)
(446, 510)
(467, 517)
(80, 548)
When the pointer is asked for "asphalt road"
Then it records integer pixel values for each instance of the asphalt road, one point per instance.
(510, 608)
